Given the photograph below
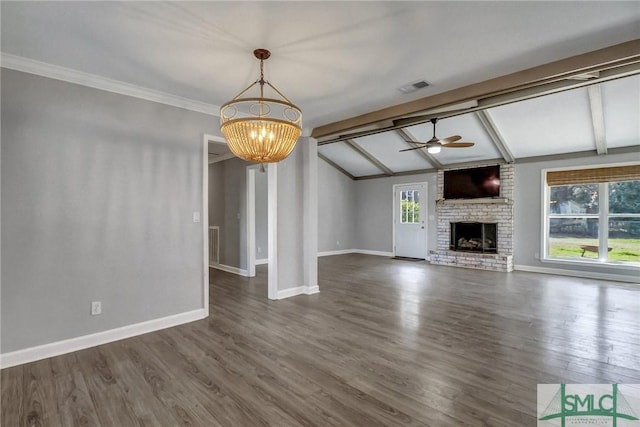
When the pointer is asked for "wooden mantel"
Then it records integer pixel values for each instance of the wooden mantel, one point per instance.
(482, 200)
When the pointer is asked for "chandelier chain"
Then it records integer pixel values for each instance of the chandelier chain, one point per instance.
(261, 78)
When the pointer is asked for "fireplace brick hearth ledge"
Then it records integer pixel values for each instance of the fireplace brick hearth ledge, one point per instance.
(498, 210)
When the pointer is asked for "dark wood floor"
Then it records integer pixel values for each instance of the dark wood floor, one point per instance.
(385, 343)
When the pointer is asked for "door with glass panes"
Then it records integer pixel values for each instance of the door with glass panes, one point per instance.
(410, 204)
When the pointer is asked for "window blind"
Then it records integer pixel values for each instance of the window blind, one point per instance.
(595, 175)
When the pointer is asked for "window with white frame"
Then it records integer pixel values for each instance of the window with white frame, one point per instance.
(593, 215)
(410, 207)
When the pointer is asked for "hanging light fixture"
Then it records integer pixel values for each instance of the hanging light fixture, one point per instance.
(262, 130)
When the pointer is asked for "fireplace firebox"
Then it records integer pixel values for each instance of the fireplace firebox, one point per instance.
(474, 237)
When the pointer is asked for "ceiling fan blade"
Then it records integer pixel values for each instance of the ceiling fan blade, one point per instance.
(413, 148)
(451, 139)
(459, 145)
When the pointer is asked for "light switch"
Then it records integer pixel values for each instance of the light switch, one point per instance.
(196, 217)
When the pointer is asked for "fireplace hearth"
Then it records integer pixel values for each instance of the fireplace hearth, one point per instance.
(474, 237)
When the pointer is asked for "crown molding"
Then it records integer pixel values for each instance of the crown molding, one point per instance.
(44, 69)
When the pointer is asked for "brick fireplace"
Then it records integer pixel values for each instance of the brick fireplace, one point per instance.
(495, 211)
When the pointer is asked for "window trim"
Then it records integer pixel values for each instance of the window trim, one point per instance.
(603, 222)
(413, 212)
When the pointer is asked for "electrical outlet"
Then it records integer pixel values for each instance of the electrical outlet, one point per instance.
(259, 250)
(337, 242)
(96, 308)
(196, 216)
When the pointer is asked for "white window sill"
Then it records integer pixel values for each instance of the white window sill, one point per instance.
(593, 263)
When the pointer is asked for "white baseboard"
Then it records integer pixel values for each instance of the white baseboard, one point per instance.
(300, 290)
(291, 292)
(336, 252)
(355, 251)
(45, 351)
(262, 261)
(230, 269)
(575, 273)
(312, 290)
(369, 252)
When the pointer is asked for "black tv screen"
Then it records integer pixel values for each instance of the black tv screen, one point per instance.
(472, 183)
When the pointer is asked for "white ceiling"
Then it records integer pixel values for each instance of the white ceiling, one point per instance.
(340, 59)
(558, 123)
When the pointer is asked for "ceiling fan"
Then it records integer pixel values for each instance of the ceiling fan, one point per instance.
(434, 145)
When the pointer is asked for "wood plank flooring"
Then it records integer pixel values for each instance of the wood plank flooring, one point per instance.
(385, 343)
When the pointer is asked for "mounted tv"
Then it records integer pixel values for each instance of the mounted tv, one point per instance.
(472, 183)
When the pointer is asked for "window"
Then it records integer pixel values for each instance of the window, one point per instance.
(593, 215)
(410, 207)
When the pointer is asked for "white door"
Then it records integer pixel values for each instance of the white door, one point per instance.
(410, 208)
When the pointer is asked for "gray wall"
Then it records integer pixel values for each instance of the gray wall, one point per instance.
(290, 219)
(374, 211)
(98, 191)
(528, 211)
(228, 209)
(336, 209)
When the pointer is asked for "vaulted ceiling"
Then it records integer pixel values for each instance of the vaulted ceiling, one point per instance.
(590, 120)
(339, 60)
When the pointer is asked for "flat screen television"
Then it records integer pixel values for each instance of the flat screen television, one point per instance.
(472, 183)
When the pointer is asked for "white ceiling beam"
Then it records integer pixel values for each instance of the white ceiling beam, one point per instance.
(336, 166)
(597, 117)
(411, 142)
(404, 173)
(369, 157)
(635, 150)
(495, 136)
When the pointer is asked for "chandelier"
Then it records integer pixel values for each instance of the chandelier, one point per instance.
(262, 130)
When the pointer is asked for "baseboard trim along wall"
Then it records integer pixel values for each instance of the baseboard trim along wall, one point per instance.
(337, 252)
(292, 292)
(369, 252)
(230, 269)
(262, 261)
(355, 251)
(575, 273)
(45, 351)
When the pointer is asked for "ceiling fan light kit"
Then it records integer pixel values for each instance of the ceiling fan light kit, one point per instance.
(435, 145)
(259, 129)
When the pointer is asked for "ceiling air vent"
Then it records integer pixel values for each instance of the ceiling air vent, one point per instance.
(412, 87)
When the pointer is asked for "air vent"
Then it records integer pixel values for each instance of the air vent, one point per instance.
(412, 87)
